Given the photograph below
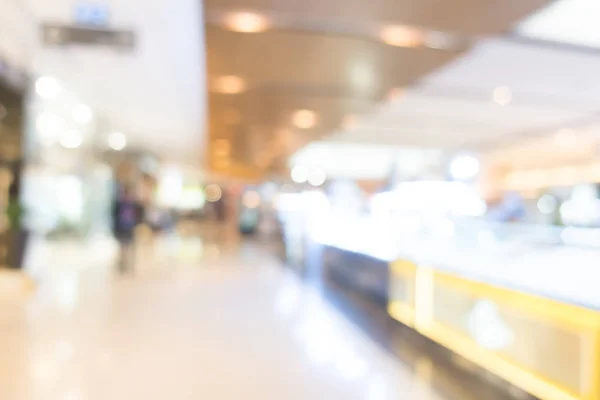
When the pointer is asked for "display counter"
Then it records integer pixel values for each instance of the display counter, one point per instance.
(520, 302)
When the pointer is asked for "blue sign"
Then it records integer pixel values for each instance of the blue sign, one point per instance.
(93, 14)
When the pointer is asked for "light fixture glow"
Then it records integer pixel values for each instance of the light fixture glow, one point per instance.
(547, 204)
(47, 87)
(71, 139)
(502, 95)
(401, 36)
(230, 84)
(304, 119)
(213, 193)
(222, 147)
(117, 141)
(299, 174)
(49, 126)
(82, 114)
(246, 22)
(464, 167)
(317, 177)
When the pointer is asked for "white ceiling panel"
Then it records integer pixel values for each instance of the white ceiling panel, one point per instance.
(454, 108)
(565, 21)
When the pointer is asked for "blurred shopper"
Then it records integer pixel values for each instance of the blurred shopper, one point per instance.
(127, 213)
(17, 235)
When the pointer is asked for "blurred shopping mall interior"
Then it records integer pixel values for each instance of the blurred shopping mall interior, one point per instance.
(299, 199)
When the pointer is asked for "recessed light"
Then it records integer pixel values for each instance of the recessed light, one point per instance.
(117, 141)
(246, 22)
(502, 95)
(213, 192)
(222, 147)
(299, 174)
(317, 177)
(230, 84)
(401, 36)
(47, 87)
(304, 119)
(71, 139)
(82, 114)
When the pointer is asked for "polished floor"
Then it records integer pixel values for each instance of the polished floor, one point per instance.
(202, 317)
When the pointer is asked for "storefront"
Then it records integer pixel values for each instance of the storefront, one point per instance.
(11, 137)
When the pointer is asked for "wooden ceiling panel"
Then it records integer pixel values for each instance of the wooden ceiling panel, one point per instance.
(474, 17)
(325, 56)
(280, 60)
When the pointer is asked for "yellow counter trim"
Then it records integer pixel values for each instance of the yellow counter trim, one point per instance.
(515, 374)
(582, 321)
(565, 315)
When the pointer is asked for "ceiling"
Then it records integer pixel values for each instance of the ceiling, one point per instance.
(454, 107)
(326, 57)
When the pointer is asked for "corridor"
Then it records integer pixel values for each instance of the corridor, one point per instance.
(202, 317)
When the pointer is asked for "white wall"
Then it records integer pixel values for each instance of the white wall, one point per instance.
(156, 94)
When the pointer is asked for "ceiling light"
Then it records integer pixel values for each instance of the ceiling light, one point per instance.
(117, 141)
(82, 114)
(47, 87)
(230, 84)
(304, 119)
(299, 174)
(317, 177)
(401, 36)
(49, 126)
(502, 95)
(71, 139)
(213, 193)
(464, 167)
(246, 22)
(222, 147)
(565, 138)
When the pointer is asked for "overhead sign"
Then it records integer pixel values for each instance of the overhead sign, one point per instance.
(64, 35)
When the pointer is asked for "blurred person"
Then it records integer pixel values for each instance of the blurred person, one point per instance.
(127, 213)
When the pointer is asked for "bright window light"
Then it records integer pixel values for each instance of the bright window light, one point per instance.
(464, 168)
(71, 139)
(317, 177)
(82, 114)
(47, 87)
(566, 21)
(299, 174)
(49, 126)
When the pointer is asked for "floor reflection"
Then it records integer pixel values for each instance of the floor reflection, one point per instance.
(202, 317)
